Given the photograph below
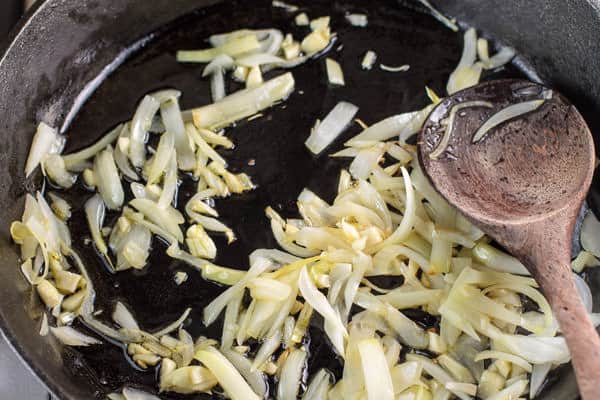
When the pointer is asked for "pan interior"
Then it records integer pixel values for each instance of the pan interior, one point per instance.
(273, 144)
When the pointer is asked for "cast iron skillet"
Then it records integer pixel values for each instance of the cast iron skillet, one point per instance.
(65, 49)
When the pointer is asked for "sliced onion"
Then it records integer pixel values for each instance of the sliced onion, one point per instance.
(401, 125)
(368, 60)
(94, 213)
(500, 58)
(123, 317)
(256, 60)
(74, 159)
(504, 115)
(360, 20)
(214, 309)
(498, 260)
(108, 180)
(584, 292)
(319, 386)
(291, 375)
(255, 379)
(72, 337)
(168, 218)
(286, 6)
(121, 154)
(366, 161)
(538, 377)
(233, 47)
(266, 350)
(228, 376)
(443, 144)
(46, 141)
(171, 117)
(244, 103)
(331, 127)
(140, 125)
(467, 60)
(590, 234)
(377, 378)
(55, 169)
(400, 68)
(319, 302)
(218, 65)
(335, 75)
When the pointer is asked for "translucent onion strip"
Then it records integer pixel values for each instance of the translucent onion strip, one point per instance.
(325, 132)
(504, 115)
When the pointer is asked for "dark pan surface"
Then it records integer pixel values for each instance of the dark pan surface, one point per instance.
(283, 166)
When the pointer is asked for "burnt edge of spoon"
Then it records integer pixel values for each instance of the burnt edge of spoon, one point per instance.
(523, 184)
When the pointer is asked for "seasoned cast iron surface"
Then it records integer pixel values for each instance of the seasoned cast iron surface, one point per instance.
(283, 166)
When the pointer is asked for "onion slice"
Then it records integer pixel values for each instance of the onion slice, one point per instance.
(46, 141)
(71, 337)
(325, 132)
(504, 115)
(244, 103)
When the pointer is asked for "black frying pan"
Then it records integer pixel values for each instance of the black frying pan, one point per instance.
(59, 56)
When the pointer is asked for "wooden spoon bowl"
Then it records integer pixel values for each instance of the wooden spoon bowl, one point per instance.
(523, 184)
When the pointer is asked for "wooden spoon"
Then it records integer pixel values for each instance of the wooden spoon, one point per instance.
(523, 184)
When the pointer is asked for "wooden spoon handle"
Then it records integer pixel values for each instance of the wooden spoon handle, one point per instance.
(576, 326)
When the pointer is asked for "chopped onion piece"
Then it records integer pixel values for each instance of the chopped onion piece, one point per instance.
(233, 48)
(584, 292)
(401, 68)
(123, 317)
(499, 59)
(54, 167)
(167, 218)
(445, 140)
(46, 141)
(228, 376)
(71, 337)
(359, 20)
(140, 125)
(538, 377)
(214, 309)
(244, 103)
(266, 350)
(286, 6)
(74, 159)
(302, 19)
(467, 72)
(377, 378)
(319, 302)
(254, 378)
(320, 23)
(369, 60)
(498, 260)
(331, 127)
(107, 179)
(335, 75)
(256, 60)
(498, 355)
(319, 386)
(94, 213)
(291, 375)
(173, 121)
(402, 125)
(504, 115)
